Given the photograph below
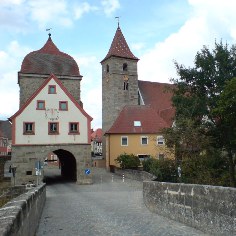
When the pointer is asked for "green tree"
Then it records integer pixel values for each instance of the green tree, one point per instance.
(202, 98)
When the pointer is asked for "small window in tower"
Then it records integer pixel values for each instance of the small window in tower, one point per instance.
(125, 67)
(73, 128)
(40, 105)
(53, 128)
(126, 82)
(63, 105)
(28, 128)
(107, 68)
(52, 89)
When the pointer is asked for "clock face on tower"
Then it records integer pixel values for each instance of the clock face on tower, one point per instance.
(52, 114)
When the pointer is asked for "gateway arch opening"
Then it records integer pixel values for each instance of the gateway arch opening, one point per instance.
(60, 166)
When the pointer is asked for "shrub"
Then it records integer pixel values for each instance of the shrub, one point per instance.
(128, 161)
(164, 170)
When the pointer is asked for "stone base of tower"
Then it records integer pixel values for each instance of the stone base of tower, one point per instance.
(75, 159)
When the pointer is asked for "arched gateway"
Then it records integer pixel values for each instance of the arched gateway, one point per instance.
(51, 117)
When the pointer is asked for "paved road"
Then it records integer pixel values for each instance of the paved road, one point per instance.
(104, 208)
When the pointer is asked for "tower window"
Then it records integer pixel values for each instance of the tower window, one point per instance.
(52, 89)
(53, 128)
(28, 128)
(40, 105)
(125, 67)
(107, 69)
(73, 128)
(63, 105)
(126, 82)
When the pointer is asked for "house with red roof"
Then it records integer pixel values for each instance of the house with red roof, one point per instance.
(5, 137)
(96, 142)
(134, 111)
(51, 119)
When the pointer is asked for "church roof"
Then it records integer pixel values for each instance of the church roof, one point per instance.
(119, 47)
(49, 60)
(97, 135)
(134, 119)
(158, 96)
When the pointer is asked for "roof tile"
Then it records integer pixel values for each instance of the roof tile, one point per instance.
(150, 121)
(119, 47)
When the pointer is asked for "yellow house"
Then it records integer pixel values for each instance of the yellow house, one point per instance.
(136, 130)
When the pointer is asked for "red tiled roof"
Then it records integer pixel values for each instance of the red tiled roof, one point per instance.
(150, 121)
(50, 60)
(119, 47)
(158, 96)
(97, 134)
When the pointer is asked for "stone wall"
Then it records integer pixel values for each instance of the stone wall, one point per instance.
(134, 174)
(25, 157)
(21, 215)
(211, 209)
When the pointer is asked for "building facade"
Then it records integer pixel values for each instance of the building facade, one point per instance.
(127, 101)
(51, 118)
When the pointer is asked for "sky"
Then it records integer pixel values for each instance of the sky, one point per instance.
(158, 32)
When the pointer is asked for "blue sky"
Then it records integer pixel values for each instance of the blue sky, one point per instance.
(157, 31)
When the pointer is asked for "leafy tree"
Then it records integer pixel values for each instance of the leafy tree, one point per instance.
(128, 161)
(202, 97)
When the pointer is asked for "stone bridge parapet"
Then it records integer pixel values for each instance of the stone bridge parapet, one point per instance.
(21, 215)
(211, 209)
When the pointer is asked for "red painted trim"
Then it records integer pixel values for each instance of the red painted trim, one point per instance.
(62, 102)
(49, 144)
(49, 89)
(89, 130)
(52, 76)
(13, 130)
(33, 128)
(53, 133)
(38, 102)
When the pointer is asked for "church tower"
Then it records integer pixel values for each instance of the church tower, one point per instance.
(119, 80)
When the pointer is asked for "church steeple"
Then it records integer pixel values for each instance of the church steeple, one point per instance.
(119, 47)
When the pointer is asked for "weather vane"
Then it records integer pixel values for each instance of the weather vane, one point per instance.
(118, 20)
(49, 31)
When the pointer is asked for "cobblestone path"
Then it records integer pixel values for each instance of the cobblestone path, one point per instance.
(109, 207)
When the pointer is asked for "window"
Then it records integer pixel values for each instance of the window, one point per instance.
(143, 157)
(137, 123)
(40, 105)
(52, 89)
(53, 128)
(107, 68)
(126, 82)
(144, 140)
(63, 106)
(161, 156)
(125, 67)
(124, 141)
(160, 140)
(73, 128)
(28, 128)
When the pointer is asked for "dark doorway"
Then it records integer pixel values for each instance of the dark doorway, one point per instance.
(63, 171)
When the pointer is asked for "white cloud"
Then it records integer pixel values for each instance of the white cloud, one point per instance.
(210, 21)
(45, 12)
(83, 8)
(110, 6)
(10, 62)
